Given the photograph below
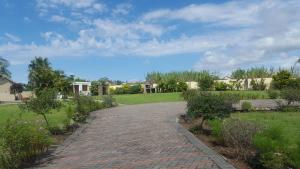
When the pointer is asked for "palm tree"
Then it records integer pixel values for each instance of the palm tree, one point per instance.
(293, 69)
(4, 72)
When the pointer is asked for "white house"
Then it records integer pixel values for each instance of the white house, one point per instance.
(82, 88)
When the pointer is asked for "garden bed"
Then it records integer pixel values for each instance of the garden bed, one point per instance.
(210, 142)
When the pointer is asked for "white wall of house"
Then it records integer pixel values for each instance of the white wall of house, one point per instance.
(82, 88)
(5, 94)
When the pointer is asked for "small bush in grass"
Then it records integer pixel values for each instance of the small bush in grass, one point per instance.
(108, 101)
(188, 94)
(271, 148)
(84, 105)
(216, 128)
(273, 94)
(246, 106)
(239, 135)
(291, 95)
(21, 142)
(208, 106)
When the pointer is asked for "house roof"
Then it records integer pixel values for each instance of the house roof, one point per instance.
(6, 78)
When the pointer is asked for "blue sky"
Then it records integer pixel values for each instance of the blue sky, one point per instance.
(125, 39)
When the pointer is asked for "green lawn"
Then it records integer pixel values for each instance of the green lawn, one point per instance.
(289, 121)
(173, 97)
(148, 98)
(12, 111)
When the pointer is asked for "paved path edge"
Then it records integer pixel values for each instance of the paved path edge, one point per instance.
(217, 158)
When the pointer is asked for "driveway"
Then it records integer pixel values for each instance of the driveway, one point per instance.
(137, 136)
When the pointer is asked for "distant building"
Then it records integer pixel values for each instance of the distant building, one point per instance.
(82, 88)
(6, 94)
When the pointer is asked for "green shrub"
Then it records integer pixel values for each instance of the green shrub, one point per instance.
(290, 95)
(188, 94)
(181, 87)
(246, 106)
(22, 141)
(84, 105)
(273, 94)
(216, 128)
(43, 103)
(108, 101)
(271, 148)
(239, 135)
(208, 106)
(221, 86)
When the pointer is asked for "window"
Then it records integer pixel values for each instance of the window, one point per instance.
(84, 87)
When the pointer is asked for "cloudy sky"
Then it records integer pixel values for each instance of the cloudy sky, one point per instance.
(125, 39)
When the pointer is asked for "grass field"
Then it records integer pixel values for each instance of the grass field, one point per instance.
(13, 111)
(288, 121)
(148, 98)
(172, 97)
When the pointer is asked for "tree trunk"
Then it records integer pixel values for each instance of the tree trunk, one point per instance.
(46, 120)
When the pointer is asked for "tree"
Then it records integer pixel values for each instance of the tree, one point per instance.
(94, 88)
(4, 72)
(282, 79)
(16, 89)
(208, 106)
(181, 87)
(171, 85)
(42, 76)
(221, 86)
(206, 83)
(43, 103)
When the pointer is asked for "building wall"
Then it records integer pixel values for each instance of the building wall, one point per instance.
(5, 90)
(80, 84)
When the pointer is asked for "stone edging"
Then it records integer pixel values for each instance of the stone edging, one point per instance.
(218, 159)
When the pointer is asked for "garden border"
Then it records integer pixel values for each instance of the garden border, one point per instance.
(217, 158)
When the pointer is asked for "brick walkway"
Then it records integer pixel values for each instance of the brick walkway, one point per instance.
(138, 136)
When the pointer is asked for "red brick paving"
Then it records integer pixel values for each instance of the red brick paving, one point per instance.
(132, 137)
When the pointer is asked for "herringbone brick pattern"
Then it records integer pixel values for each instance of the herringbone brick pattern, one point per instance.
(127, 137)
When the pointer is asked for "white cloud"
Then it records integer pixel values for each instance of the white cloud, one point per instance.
(11, 37)
(265, 32)
(230, 13)
(122, 9)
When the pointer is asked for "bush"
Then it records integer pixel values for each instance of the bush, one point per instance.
(108, 101)
(43, 103)
(273, 94)
(239, 135)
(84, 105)
(181, 87)
(208, 106)
(290, 95)
(246, 106)
(221, 86)
(21, 142)
(188, 94)
(271, 148)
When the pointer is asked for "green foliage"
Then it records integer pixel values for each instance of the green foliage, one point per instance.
(42, 76)
(271, 146)
(21, 142)
(94, 88)
(183, 76)
(208, 106)
(128, 89)
(206, 83)
(108, 101)
(258, 85)
(84, 105)
(216, 128)
(273, 94)
(181, 87)
(282, 79)
(189, 94)
(246, 106)
(43, 103)
(221, 86)
(290, 95)
(4, 72)
(238, 74)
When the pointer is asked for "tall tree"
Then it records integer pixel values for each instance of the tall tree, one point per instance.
(4, 72)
